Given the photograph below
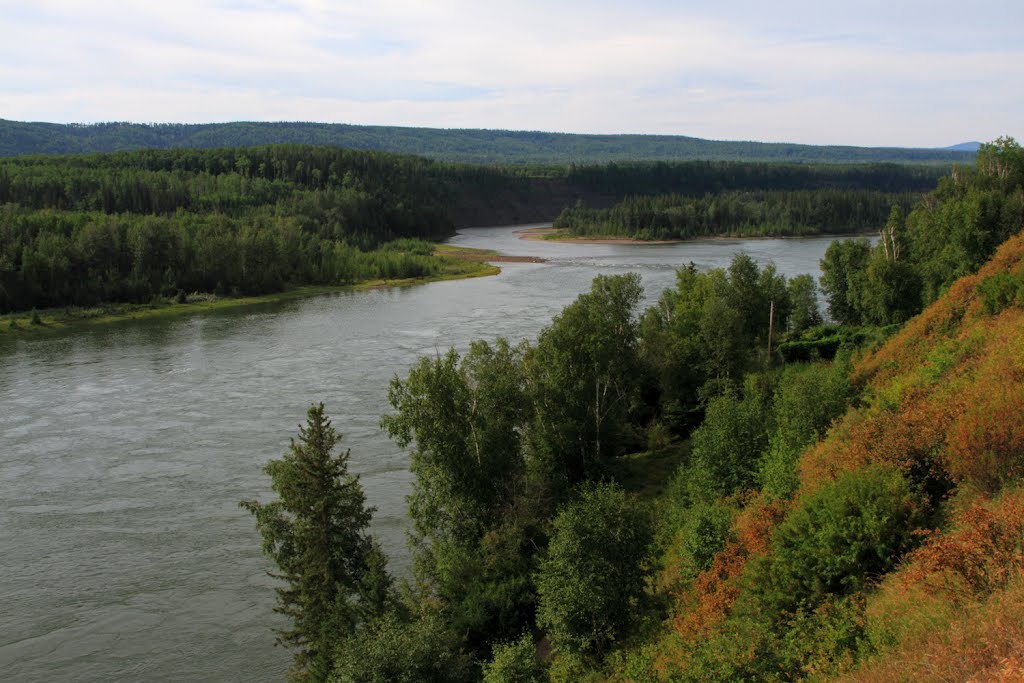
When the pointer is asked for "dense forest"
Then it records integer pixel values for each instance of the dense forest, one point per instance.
(675, 495)
(699, 199)
(141, 226)
(778, 212)
(131, 227)
(468, 146)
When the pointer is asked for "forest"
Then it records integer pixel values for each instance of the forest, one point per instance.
(155, 225)
(497, 147)
(718, 488)
(736, 213)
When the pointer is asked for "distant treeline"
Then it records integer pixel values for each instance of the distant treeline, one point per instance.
(467, 145)
(133, 226)
(777, 212)
(697, 178)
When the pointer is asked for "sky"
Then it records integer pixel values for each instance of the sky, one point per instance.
(871, 73)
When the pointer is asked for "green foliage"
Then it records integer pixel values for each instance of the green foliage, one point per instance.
(472, 536)
(949, 234)
(836, 540)
(824, 342)
(797, 211)
(701, 526)
(583, 382)
(808, 398)
(842, 277)
(730, 441)
(803, 301)
(591, 580)
(1001, 290)
(465, 418)
(514, 662)
(315, 532)
(703, 335)
(892, 292)
(389, 650)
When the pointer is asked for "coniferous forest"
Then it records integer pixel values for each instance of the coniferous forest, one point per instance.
(139, 227)
(717, 488)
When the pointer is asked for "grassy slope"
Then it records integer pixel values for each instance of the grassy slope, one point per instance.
(944, 395)
(949, 386)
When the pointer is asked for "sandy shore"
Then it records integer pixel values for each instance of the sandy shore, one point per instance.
(541, 234)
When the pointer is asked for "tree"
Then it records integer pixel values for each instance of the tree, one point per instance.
(592, 577)
(471, 545)
(583, 379)
(733, 436)
(315, 532)
(842, 278)
(803, 300)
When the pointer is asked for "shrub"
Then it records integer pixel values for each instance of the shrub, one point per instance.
(514, 662)
(838, 539)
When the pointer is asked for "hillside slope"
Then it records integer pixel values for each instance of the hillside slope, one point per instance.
(461, 145)
(900, 556)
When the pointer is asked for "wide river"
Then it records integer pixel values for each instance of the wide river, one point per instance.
(125, 448)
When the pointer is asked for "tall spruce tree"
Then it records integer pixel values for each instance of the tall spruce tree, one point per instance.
(315, 531)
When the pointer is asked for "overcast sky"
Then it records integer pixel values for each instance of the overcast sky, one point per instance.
(924, 74)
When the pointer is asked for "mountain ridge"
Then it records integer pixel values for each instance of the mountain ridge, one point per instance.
(464, 145)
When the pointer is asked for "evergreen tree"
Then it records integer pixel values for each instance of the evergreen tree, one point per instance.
(315, 531)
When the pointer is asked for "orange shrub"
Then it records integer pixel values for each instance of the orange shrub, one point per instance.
(981, 554)
(709, 600)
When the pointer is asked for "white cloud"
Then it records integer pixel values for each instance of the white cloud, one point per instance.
(909, 75)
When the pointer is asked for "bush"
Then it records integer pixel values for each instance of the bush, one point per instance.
(514, 662)
(837, 539)
(392, 651)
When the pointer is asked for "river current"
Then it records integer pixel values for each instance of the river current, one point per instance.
(125, 448)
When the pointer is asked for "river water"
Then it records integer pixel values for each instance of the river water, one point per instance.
(125, 448)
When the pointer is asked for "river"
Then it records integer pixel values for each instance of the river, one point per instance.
(125, 448)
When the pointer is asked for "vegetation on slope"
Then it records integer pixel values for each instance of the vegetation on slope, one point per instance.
(858, 517)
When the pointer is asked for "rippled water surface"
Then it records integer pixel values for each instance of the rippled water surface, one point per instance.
(124, 451)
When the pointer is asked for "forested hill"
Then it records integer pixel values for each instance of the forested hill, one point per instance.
(461, 145)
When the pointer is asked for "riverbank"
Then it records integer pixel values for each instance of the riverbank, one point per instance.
(459, 263)
(562, 236)
(556, 235)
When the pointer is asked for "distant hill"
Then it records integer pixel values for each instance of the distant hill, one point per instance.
(963, 147)
(456, 145)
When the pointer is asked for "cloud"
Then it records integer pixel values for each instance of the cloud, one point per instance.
(871, 73)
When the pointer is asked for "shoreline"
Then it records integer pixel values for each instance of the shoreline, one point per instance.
(463, 263)
(551, 234)
(547, 234)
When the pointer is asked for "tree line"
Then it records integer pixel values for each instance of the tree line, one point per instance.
(132, 227)
(496, 147)
(948, 234)
(747, 213)
(135, 226)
